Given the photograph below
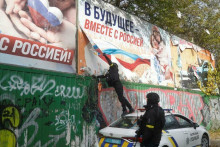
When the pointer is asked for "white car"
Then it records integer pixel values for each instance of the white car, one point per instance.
(178, 131)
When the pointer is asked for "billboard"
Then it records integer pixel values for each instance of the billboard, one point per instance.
(141, 50)
(144, 52)
(190, 63)
(42, 34)
(38, 34)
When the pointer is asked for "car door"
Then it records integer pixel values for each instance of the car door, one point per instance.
(186, 125)
(176, 136)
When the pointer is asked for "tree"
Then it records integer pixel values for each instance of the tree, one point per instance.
(218, 74)
(199, 22)
(210, 84)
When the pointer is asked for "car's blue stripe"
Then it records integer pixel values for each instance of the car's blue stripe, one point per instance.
(122, 141)
(103, 144)
(130, 144)
(174, 141)
(111, 145)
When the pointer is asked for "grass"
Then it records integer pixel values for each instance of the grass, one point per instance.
(215, 138)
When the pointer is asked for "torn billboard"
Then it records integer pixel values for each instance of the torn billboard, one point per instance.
(144, 52)
(141, 50)
(190, 63)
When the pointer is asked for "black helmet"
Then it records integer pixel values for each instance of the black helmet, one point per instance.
(115, 65)
(153, 98)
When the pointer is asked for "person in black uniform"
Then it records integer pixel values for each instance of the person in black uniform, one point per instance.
(152, 122)
(112, 78)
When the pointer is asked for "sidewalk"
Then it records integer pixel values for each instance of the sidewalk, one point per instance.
(214, 138)
(215, 143)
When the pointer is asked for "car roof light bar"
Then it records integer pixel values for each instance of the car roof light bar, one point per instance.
(143, 109)
(168, 110)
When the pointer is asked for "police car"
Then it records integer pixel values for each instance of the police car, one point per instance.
(178, 131)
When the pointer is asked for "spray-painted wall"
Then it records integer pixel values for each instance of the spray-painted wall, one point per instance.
(193, 104)
(40, 108)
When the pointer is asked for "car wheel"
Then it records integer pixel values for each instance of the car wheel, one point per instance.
(204, 141)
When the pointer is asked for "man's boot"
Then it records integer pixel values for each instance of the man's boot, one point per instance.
(124, 111)
(131, 110)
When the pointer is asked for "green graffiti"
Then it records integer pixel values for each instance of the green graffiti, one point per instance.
(7, 138)
(12, 115)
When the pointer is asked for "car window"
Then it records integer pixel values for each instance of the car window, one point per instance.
(183, 122)
(171, 123)
(125, 122)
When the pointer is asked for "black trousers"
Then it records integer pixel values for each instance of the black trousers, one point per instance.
(119, 90)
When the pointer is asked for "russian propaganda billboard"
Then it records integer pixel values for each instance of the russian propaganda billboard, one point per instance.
(38, 34)
(144, 52)
(141, 50)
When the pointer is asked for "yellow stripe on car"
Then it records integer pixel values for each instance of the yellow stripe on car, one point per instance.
(171, 139)
(125, 144)
(101, 141)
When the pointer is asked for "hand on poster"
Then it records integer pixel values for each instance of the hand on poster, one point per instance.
(14, 6)
(34, 32)
(12, 9)
(58, 36)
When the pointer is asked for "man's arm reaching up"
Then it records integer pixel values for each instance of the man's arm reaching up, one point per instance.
(109, 61)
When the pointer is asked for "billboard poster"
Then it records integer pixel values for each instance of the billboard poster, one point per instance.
(38, 34)
(190, 63)
(141, 50)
